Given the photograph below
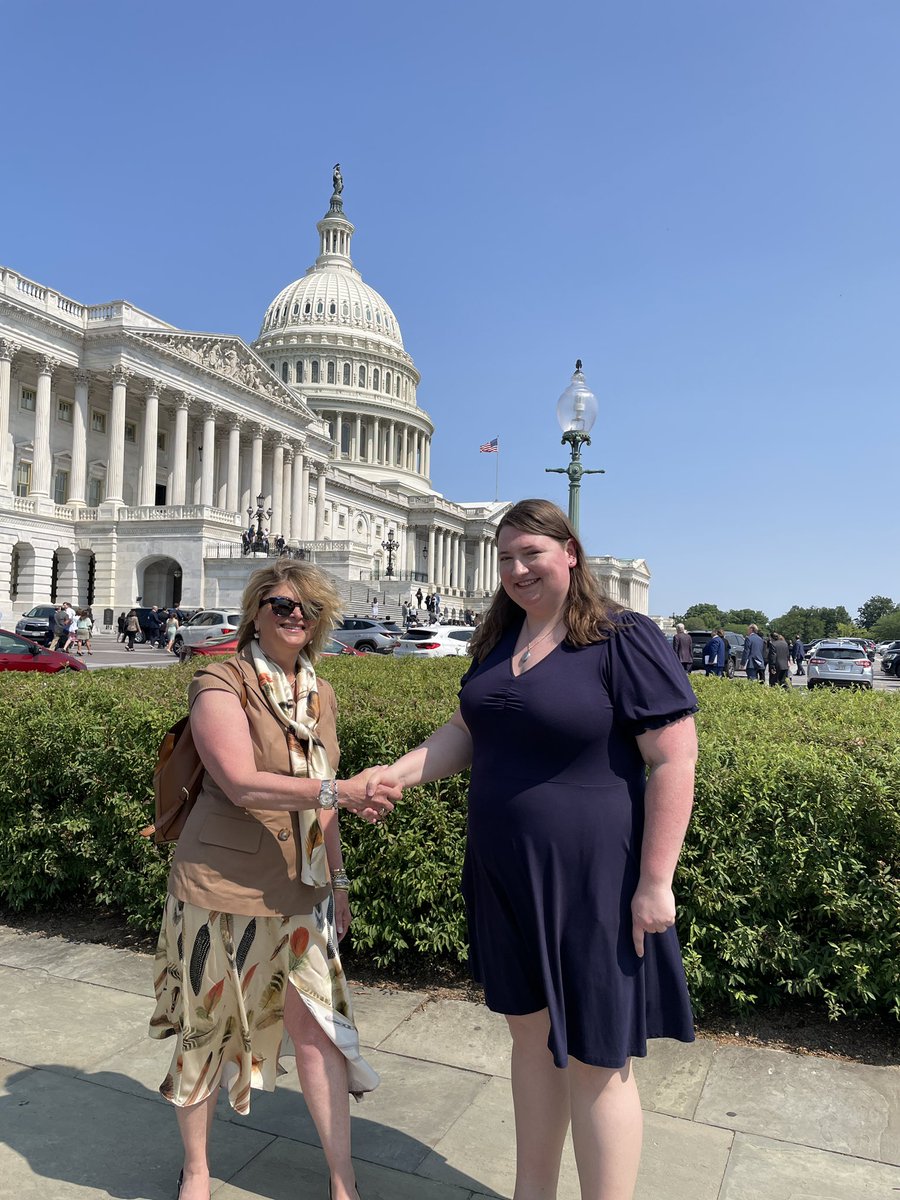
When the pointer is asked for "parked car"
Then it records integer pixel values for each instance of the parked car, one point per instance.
(734, 642)
(228, 645)
(890, 660)
(364, 633)
(37, 624)
(23, 654)
(435, 641)
(839, 664)
(207, 623)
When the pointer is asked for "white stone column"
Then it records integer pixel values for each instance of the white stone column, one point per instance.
(410, 564)
(78, 482)
(438, 564)
(392, 444)
(8, 350)
(479, 565)
(256, 449)
(298, 499)
(115, 470)
(405, 444)
(287, 515)
(304, 502)
(148, 458)
(492, 551)
(320, 502)
(357, 439)
(338, 433)
(277, 488)
(40, 473)
(427, 469)
(429, 570)
(220, 486)
(233, 478)
(179, 450)
(458, 581)
(376, 441)
(208, 461)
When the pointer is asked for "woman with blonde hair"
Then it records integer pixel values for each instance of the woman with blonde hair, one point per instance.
(258, 896)
(576, 720)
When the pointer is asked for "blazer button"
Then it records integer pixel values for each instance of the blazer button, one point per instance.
(283, 835)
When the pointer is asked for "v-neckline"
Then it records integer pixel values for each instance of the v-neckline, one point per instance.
(511, 656)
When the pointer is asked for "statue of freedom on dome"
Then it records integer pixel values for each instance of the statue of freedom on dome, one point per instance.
(337, 179)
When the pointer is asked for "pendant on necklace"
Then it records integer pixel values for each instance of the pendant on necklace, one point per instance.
(525, 657)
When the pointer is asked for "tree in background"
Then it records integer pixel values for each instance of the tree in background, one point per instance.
(887, 628)
(738, 618)
(874, 609)
(810, 624)
(703, 616)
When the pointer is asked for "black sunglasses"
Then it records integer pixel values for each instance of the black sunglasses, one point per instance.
(283, 606)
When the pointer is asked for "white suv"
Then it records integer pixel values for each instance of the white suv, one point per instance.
(208, 623)
(435, 641)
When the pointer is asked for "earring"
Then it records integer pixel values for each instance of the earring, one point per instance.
(256, 633)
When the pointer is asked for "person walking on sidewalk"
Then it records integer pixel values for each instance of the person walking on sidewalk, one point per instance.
(753, 658)
(798, 653)
(132, 629)
(571, 848)
(779, 662)
(257, 895)
(683, 647)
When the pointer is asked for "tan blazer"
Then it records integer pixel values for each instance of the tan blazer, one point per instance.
(239, 860)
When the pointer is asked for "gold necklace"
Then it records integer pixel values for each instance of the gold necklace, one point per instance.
(526, 653)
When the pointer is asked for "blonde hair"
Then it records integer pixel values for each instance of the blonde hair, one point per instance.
(588, 611)
(312, 585)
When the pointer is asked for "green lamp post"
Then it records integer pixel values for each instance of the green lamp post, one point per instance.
(576, 412)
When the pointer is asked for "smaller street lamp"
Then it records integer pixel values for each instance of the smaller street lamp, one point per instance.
(576, 412)
(258, 543)
(390, 547)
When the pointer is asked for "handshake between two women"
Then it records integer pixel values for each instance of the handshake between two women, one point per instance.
(371, 794)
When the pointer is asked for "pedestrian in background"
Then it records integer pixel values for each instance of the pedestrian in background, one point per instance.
(754, 656)
(683, 647)
(798, 654)
(779, 661)
(132, 629)
(714, 653)
(120, 625)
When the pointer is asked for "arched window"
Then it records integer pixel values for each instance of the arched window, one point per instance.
(296, 310)
(362, 376)
(377, 318)
(356, 311)
(284, 372)
(387, 382)
(368, 313)
(298, 371)
(397, 387)
(332, 308)
(346, 374)
(314, 371)
(307, 308)
(376, 379)
(345, 309)
(330, 372)
(320, 308)
(345, 439)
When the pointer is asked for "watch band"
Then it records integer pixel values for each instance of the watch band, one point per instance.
(328, 793)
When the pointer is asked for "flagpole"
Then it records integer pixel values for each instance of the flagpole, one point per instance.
(497, 479)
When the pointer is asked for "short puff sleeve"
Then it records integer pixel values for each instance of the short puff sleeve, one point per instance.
(647, 685)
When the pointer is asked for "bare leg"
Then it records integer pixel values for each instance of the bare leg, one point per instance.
(541, 1103)
(607, 1128)
(323, 1077)
(194, 1124)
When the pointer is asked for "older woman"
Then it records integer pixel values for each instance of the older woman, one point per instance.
(571, 851)
(257, 892)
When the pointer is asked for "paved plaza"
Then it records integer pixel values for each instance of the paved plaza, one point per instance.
(80, 1115)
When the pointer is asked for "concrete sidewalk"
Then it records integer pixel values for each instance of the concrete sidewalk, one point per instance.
(80, 1115)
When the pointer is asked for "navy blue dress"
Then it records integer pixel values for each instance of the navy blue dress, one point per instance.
(556, 816)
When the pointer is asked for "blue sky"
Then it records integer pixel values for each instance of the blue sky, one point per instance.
(699, 199)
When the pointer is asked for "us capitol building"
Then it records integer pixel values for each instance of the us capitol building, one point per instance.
(131, 451)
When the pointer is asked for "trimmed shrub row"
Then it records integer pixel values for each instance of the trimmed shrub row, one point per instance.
(789, 883)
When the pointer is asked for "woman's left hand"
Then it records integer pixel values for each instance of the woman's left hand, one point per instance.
(652, 911)
(342, 914)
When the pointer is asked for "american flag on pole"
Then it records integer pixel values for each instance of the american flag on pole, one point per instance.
(491, 447)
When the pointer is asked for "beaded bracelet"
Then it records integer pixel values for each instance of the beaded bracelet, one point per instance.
(340, 881)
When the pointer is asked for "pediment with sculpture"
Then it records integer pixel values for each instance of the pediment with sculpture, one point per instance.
(225, 356)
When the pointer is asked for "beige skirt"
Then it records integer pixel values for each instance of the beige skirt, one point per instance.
(220, 984)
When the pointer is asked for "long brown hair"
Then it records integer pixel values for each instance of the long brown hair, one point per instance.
(588, 611)
(312, 585)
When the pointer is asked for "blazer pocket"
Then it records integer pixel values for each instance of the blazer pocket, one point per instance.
(231, 833)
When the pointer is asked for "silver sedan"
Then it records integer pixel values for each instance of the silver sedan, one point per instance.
(839, 664)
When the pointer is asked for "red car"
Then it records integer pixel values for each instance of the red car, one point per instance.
(228, 645)
(22, 654)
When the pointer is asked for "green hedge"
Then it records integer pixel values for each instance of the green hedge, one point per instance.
(789, 883)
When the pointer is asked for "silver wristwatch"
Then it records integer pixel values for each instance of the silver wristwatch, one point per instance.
(328, 793)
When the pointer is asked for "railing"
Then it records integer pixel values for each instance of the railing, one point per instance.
(31, 289)
(64, 512)
(305, 550)
(178, 512)
(397, 577)
(104, 312)
(23, 504)
(70, 306)
(87, 514)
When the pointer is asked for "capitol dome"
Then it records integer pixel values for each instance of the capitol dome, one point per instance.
(337, 342)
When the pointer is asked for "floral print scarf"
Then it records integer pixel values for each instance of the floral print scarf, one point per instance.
(308, 756)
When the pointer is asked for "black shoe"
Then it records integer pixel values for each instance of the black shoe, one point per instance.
(180, 1183)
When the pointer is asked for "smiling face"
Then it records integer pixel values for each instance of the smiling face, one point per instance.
(534, 570)
(282, 637)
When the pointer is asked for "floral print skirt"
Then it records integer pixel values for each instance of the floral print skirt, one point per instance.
(220, 984)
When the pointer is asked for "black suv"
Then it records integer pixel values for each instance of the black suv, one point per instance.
(735, 649)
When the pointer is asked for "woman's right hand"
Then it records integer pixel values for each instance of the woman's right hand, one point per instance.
(370, 803)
